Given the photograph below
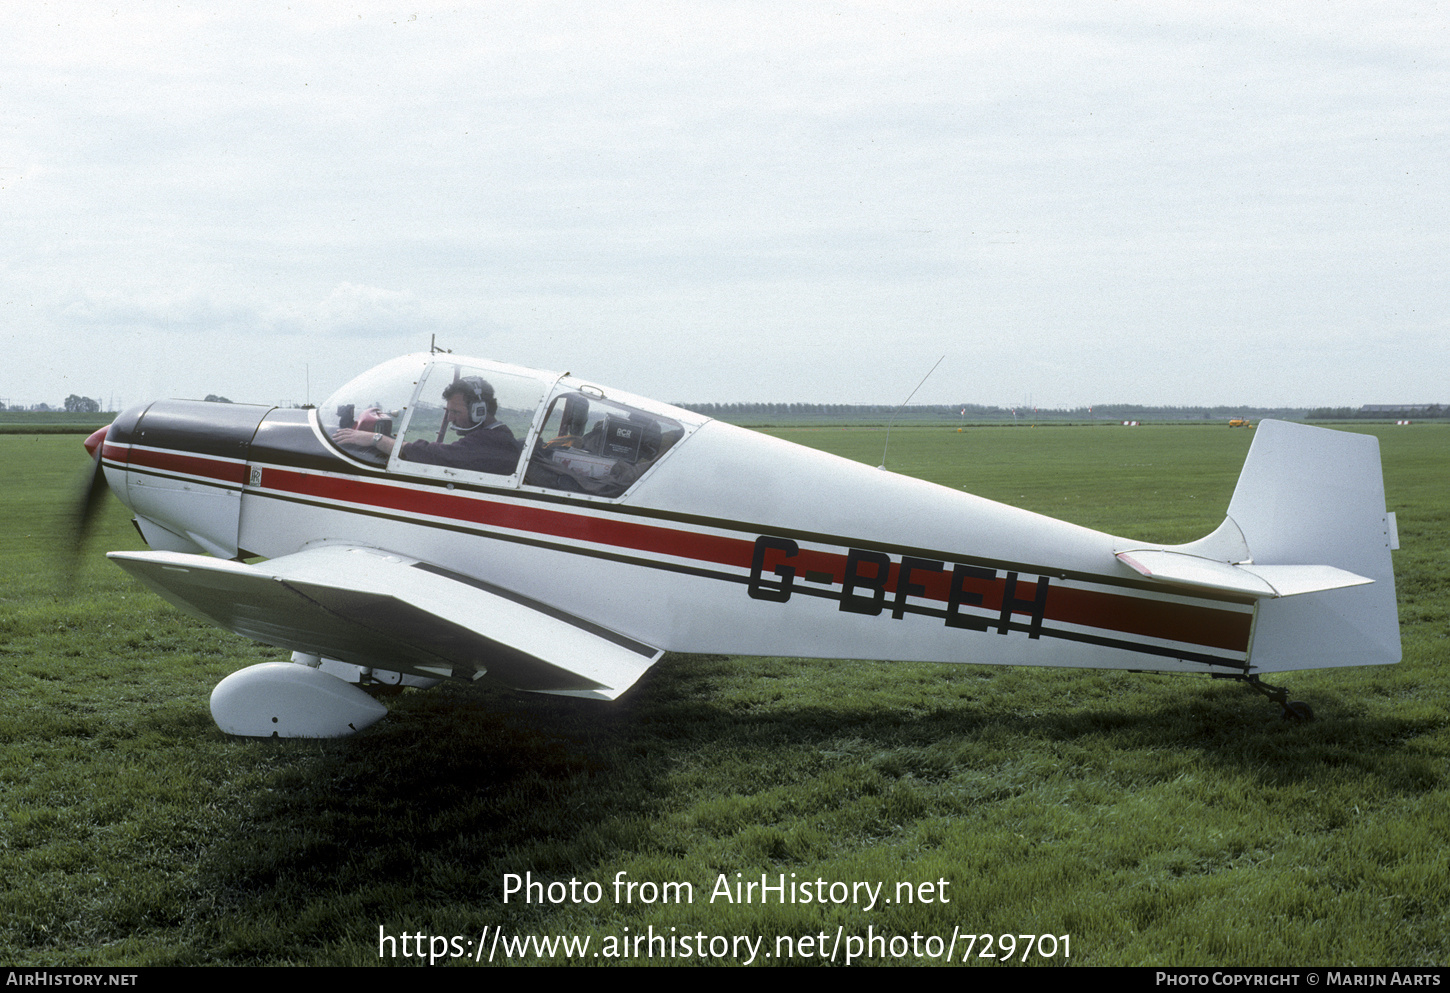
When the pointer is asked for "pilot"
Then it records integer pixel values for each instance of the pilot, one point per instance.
(485, 444)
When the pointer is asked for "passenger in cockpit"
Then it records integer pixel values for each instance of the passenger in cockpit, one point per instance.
(485, 444)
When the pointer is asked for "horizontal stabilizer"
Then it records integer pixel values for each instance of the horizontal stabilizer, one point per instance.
(1252, 580)
(379, 609)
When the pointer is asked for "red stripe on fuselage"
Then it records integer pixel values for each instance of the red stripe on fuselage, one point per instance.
(1209, 626)
(232, 473)
(1139, 616)
(1149, 618)
(579, 527)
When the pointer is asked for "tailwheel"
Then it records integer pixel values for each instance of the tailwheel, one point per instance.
(1293, 711)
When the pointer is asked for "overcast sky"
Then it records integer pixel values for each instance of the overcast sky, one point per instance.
(1074, 202)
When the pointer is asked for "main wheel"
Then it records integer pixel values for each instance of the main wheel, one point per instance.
(1298, 712)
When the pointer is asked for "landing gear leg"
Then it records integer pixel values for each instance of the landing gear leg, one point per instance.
(1293, 711)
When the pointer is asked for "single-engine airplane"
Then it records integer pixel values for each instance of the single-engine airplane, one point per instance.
(440, 517)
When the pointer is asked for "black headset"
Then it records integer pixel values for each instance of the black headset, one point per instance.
(478, 410)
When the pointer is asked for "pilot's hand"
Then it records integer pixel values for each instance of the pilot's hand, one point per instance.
(352, 436)
(364, 439)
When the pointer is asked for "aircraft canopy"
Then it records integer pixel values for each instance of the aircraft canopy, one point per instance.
(522, 427)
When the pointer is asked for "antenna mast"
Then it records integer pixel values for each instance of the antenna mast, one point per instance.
(898, 410)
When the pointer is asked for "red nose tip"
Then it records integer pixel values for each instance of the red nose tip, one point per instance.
(94, 441)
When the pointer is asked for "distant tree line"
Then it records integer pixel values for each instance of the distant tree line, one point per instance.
(1378, 411)
(979, 412)
(970, 411)
(73, 404)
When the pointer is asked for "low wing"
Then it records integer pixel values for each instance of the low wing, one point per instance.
(380, 609)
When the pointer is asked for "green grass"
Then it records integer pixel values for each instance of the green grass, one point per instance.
(1156, 820)
(53, 422)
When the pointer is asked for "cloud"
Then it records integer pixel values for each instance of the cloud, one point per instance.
(161, 311)
(350, 310)
(353, 310)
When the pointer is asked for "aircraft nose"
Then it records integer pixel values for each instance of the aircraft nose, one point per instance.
(96, 438)
(94, 441)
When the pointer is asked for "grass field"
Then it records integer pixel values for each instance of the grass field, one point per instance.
(53, 422)
(1153, 820)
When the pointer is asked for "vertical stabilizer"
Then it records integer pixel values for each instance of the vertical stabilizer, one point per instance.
(1310, 496)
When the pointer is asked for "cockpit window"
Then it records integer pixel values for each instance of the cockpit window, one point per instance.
(592, 445)
(471, 419)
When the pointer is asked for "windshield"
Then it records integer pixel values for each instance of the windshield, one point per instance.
(372, 404)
